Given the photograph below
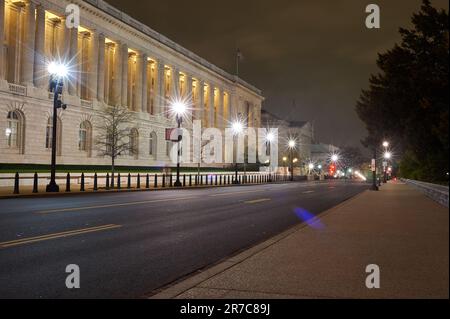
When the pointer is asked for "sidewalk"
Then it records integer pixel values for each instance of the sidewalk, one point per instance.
(399, 229)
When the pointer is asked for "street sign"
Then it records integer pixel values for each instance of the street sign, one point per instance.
(174, 134)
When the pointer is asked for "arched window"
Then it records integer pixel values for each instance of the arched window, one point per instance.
(85, 137)
(169, 145)
(14, 130)
(134, 143)
(49, 135)
(153, 144)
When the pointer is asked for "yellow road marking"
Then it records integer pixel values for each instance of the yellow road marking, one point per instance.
(256, 201)
(238, 193)
(70, 233)
(74, 209)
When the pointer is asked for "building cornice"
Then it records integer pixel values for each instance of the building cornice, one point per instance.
(166, 42)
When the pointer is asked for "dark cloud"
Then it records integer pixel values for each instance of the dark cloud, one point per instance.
(317, 52)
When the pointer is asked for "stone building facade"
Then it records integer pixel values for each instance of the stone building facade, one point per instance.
(301, 132)
(113, 60)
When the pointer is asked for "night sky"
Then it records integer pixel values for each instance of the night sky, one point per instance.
(316, 52)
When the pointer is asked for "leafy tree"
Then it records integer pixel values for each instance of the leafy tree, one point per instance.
(408, 100)
(113, 133)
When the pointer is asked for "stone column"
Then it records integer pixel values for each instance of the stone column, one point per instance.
(27, 75)
(201, 102)
(211, 111)
(73, 53)
(101, 68)
(175, 87)
(160, 88)
(2, 37)
(124, 67)
(190, 98)
(139, 77)
(117, 81)
(39, 55)
(144, 88)
(220, 111)
(93, 65)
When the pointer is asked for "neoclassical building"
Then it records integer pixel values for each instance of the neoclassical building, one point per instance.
(114, 60)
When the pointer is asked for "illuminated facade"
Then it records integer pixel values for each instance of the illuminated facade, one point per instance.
(114, 60)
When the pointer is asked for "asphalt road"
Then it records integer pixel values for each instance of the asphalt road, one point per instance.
(129, 244)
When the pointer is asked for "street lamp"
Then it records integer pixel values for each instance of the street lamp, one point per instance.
(270, 137)
(292, 144)
(335, 158)
(387, 157)
(179, 109)
(311, 167)
(237, 128)
(58, 71)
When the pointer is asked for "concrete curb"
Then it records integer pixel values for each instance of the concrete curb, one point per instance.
(188, 282)
(133, 190)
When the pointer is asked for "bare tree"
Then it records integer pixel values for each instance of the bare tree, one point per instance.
(114, 135)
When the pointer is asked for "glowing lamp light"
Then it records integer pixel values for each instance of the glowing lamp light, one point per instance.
(388, 155)
(334, 158)
(237, 127)
(311, 166)
(386, 144)
(320, 166)
(179, 108)
(58, 69)
(270, 137)
(295, 160)
(8, 132)
(292, 144)
(284, 159)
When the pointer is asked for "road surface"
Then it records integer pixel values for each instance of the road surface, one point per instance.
(129, 244)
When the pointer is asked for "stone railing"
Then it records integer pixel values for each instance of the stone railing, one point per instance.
(438, 193)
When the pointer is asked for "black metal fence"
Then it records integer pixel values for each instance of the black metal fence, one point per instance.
(119, 181)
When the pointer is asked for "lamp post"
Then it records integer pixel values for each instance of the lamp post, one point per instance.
(179, 109)
(374, 170)
(387, 157)
(292, 144)
(237, 128)
(58, 72)
(270, 137)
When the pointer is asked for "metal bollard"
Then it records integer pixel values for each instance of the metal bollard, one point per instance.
(68, 179)
(164, 180)
(156, 181)
(35, 183)
(138, 183)
(184, 180)
(129, 181)
(16, 184)
(107, 181)
(95, 182)
(147, 181)
(119, 186)
(82, 183)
